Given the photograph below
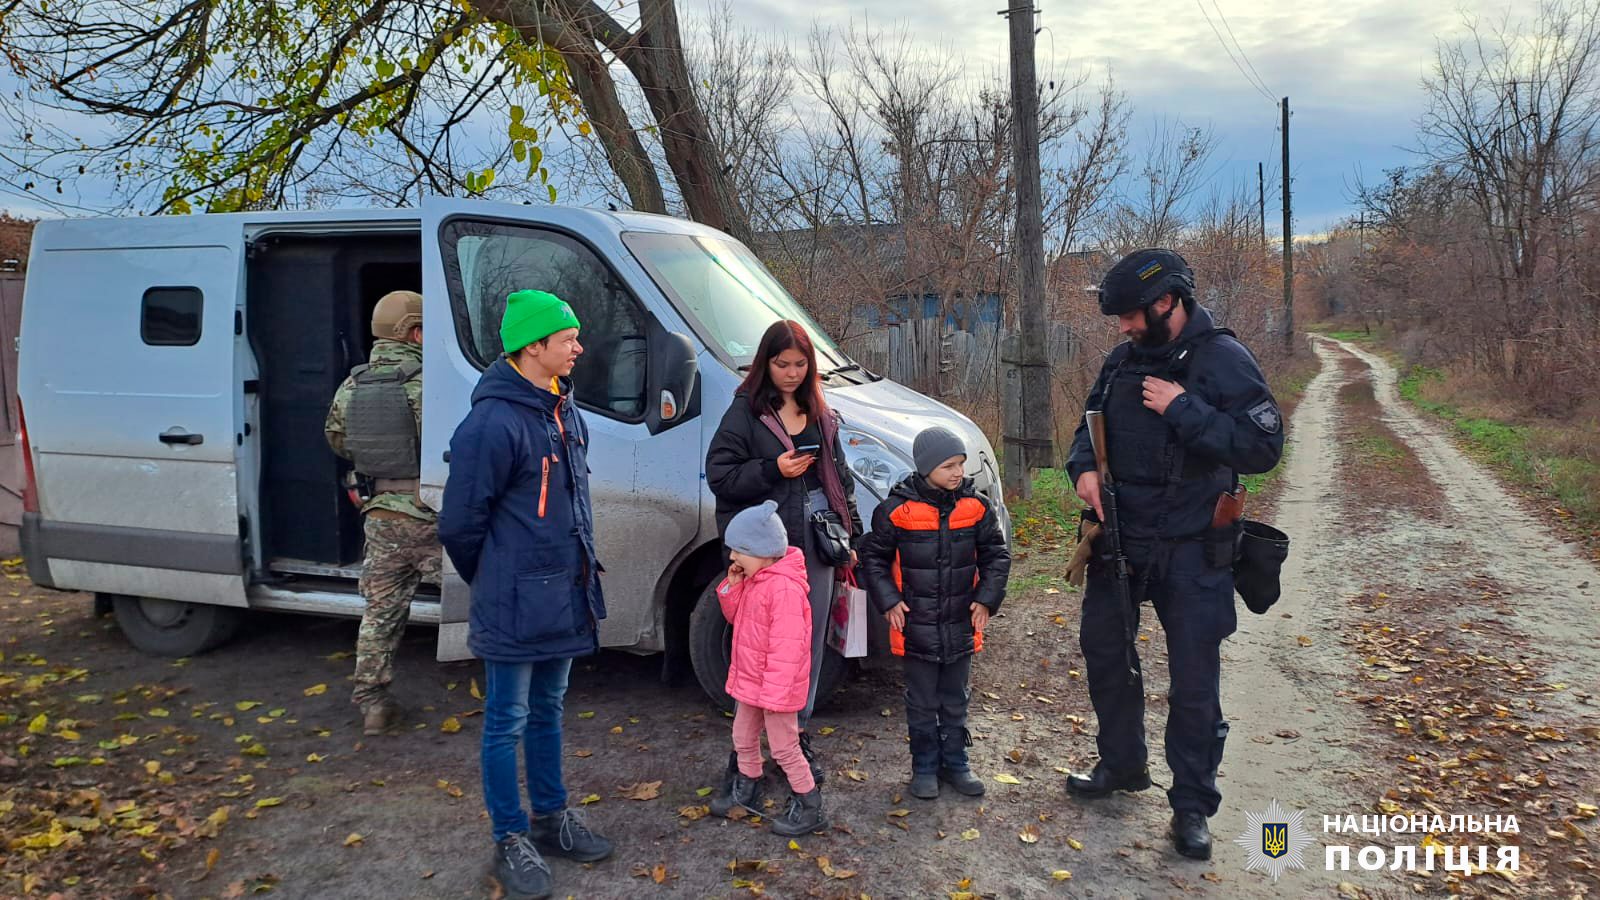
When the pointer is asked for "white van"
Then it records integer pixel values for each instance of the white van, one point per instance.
(175, 373)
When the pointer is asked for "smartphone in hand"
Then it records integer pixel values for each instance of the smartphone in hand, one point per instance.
(808, 449)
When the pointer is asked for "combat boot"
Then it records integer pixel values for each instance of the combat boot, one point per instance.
(1102, 782)
(1191, 836)
(381, 716)
(803, 816)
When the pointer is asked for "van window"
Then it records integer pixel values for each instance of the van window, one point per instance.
(170, 317)
(486, 262)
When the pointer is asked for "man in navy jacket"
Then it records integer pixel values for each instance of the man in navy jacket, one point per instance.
(519, 528)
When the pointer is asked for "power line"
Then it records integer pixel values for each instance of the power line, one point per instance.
(1240, 47)
(1246, 75)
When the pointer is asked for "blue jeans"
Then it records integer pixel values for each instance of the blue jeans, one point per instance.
(524, 703)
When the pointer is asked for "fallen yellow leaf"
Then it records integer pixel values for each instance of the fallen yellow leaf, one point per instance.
(265, 802)
(1007, 778)
(1030, 834)
(353, 839)
(241, 706)
(40, 723)
(476, 693)
(315, 757)
(1061, 874)
(794, 845)
(592, 798)
(152, 766)
(971, 834)
(450, 725)
(826, 729)
(1074, 843)
(315, 689)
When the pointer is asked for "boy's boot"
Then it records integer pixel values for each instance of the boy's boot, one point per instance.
(924, 764)
(803, 816)
(953, 767)
(743, 791)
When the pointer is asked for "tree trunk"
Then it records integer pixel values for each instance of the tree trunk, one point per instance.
(656, 59)
(596, 90)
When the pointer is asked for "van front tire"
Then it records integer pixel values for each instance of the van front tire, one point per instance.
(173, 628)
(711, 642)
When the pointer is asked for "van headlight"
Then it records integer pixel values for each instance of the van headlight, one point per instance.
(872, 461)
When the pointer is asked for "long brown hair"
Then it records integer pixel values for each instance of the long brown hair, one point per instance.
(758, 387)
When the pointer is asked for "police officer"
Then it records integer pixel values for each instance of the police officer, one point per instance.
(1186, 410)
(376, 423)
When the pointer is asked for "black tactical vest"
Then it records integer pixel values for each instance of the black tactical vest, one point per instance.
(1143, 448)
(380, 429)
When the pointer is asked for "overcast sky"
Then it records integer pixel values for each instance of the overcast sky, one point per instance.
(1351, 68)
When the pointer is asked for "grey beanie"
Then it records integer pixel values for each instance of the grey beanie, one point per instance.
(758, 531)
(933, 446)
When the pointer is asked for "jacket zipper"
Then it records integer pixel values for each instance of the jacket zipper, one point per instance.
(544, 487)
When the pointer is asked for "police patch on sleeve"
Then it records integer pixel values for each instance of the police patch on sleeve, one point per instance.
(1265, 415)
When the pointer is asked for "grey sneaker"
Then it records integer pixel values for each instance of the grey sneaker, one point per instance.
(521, 871)
(566, 834)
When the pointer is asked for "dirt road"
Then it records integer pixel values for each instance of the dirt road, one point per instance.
(1365, 689)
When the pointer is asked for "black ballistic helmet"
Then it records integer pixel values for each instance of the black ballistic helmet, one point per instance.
(1143, 277)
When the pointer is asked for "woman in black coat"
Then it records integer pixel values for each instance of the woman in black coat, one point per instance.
(803, 470)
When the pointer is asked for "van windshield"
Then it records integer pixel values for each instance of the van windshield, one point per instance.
(726, 291)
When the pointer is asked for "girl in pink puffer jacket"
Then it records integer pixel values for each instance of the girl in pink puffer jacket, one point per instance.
(765, 597)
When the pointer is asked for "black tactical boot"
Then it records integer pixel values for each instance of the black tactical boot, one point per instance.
(566, 834)
(953, 767)
(743, 792)
(817, 773)
(1102, 781)
(803, 816)
(1191, 835)
(522, 873)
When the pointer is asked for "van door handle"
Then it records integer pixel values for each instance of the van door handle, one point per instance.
(182, 437)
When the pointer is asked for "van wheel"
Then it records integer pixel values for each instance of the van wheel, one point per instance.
(711, 642)
(172, 627)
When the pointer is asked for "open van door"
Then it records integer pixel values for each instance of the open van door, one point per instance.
(132, 402)
(637, 382)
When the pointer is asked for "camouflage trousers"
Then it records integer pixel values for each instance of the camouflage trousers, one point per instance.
(402, 551)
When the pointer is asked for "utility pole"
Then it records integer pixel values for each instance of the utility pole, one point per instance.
(1027, 425)
(1288, 241)
(1261, 202)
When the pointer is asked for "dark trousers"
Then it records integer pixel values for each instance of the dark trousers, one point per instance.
(1195, 604)
(936, 713)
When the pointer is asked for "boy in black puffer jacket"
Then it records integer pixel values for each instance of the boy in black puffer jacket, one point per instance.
(936, 565)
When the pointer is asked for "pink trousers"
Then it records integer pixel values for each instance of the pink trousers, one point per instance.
(783, 736)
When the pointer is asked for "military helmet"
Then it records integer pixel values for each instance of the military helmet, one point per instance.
(396, 314)
(1143, 277)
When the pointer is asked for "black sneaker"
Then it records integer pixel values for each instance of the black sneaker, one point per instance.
(817, 773)
(521, 871)
(565, 834)
(803, 816)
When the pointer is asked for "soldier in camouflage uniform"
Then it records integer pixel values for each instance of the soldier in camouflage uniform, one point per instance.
(376, 423)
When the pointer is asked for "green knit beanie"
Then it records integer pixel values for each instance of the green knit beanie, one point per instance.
(533, 316)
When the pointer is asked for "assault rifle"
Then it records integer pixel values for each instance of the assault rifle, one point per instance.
(1111, 530)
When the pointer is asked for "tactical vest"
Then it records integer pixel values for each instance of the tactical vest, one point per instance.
(380, 429)
(1143, 448)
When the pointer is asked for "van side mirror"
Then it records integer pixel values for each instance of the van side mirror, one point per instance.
(674, 385)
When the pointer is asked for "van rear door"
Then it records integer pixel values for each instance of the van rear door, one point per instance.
(127, 376)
